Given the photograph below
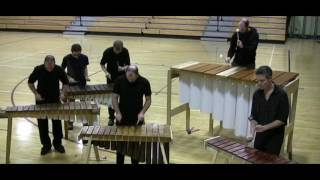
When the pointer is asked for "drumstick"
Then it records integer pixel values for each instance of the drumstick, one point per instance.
(237, 30)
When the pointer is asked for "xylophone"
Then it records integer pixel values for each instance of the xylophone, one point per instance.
(242, 152)
(100, 93)
(147, 143)
(226, 93)
(82, 111)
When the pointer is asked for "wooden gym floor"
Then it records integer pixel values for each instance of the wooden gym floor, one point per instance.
(21, 51)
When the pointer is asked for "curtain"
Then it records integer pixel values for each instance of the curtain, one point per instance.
(304, 27)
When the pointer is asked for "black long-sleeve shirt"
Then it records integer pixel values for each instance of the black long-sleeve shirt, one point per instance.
(246, 55)
(275, 108)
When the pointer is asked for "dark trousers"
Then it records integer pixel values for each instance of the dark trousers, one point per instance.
(44, 132)
(110, 109)
(269, 142)
(120, 159)
(249, 66)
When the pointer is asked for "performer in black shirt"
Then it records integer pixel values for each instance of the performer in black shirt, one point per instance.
(48, 76)
(269, 113)
(113, 63)
(127, 101)
(243, 45)
(77, 71)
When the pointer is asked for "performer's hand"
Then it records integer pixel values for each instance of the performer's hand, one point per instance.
(253, 125)
(240, 44)
(71, 80)
(88, 79)
(38, 97)
(228, 60)
(62, 98)
(108, 75)
(118, 117)
(260, 128)
(140, 117)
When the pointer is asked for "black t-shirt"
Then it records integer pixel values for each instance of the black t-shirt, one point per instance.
(276, 108)
(76, 67)
(131, 97)
(114, 60)
(246, 55)
(48, 82)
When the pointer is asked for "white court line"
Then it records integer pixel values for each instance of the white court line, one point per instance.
(271, 58)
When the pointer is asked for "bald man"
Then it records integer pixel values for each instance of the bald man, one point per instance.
(243, 45)
(48, 76)
(127, 100)
(114, 61)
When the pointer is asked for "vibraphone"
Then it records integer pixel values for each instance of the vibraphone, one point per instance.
(100, 93)
(242, 152)
(147, 143)
(80, 111)
(225, 92)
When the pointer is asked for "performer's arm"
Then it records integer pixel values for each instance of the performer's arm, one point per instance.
(233, 45)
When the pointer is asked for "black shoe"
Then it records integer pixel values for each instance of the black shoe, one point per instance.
(45, 150)
(60, 149)
(110, 122)
(70, 125)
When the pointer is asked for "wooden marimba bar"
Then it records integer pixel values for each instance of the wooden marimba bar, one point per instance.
(100, 93)
(81, 111)
(149, 143)
(225, 93)
(242, 152)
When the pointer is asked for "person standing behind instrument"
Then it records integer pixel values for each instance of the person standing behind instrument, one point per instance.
(243, 45)
(48, 76)
(113, 63)
(269, 113)
(127, 100)
(77, 71)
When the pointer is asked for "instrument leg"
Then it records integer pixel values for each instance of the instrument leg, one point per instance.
(87, 153)
(169, 97)
(163, 154)
(66, 127)
(215, 156)
(96, 152)
(218, 131)
(289, 145)
(9, 132)
(211, 125)
(188, 117)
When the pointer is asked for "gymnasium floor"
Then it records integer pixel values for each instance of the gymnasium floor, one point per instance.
(21, 51)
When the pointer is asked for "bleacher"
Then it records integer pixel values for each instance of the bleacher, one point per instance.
(56, 23)
(271, 28)
(204, 27)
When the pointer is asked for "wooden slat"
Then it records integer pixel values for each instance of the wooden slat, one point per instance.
(285, 78)
(217, 70)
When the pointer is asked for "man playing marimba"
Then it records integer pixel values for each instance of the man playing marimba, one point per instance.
(127, 101)
(243, 45)
(269, 113)
(116, 59)
(48, 76)
(77, 71)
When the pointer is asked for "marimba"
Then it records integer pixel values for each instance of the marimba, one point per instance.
(147, 143)
(226, 93)
(80, 111)
(242, 152)
(100, 93)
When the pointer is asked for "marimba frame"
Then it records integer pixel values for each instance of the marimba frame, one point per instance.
(291, 88)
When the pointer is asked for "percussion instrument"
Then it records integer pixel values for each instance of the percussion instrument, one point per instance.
(71, 111)
(147, 143)
(100, 93)
(225, 93)
(242, 152)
